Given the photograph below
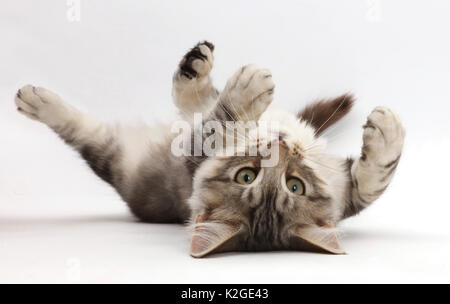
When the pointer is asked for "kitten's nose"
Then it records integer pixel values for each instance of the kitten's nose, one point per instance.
(280, 141)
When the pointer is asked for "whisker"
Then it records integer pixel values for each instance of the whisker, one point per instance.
(323, 165)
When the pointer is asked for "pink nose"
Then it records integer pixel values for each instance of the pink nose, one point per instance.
(279, 142)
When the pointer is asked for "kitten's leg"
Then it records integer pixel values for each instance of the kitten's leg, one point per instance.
(95, 141)
(193, 91)
(371, 174)
(136, 161)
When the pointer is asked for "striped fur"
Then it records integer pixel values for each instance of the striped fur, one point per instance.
(371, 174)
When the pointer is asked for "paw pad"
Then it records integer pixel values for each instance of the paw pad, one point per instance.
(198, 61)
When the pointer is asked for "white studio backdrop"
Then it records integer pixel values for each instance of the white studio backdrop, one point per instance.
(115, 59)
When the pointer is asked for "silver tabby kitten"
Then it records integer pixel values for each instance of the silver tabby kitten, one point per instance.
(232, 202)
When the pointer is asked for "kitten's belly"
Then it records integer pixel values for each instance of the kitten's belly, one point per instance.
(156, 183)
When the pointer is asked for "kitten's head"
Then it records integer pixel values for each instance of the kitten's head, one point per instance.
(238, 205)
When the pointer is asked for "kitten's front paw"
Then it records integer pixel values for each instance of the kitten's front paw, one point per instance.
(198, 62)
(40, 104)
(383, 136)
(249, 92)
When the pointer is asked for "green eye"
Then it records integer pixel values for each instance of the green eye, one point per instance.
(245, 176)
(296, 186)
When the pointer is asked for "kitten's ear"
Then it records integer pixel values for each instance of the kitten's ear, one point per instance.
(316, 239)
(213, 237)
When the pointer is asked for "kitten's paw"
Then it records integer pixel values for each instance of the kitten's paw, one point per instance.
(383, 136)
(41, 104)
(249, 92)
(198, 62)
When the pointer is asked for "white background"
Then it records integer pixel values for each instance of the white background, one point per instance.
(60, 223)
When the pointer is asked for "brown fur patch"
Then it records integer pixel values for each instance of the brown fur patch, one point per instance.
(324, 113)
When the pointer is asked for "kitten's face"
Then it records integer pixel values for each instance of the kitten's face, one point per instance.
(239, 205)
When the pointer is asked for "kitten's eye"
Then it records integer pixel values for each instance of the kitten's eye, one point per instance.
(296, 186)
(245, 176)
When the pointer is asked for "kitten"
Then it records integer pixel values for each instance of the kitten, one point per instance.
(232, 202)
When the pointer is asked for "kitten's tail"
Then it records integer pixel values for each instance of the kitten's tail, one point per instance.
(324, 113)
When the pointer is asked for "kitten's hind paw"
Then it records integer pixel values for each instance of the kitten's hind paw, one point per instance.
(198, 62)
(41, 104)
